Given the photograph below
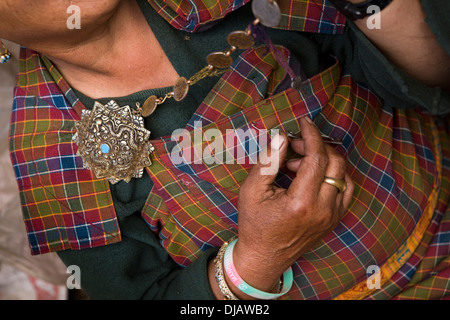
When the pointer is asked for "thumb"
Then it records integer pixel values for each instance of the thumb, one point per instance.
(264, 172)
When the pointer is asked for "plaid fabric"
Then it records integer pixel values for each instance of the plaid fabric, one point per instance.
(300, 15)
(399, 160)
(427, 272)
(395, 159)
(64, 206)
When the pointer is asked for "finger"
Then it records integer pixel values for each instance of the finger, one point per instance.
(341, 203)
(348, 193)
(264, 172)
(312, 167)
(293, 164)
(298, 145)
(336, 169)
(343, 199)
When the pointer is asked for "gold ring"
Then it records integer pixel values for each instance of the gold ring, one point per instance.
(340, 184)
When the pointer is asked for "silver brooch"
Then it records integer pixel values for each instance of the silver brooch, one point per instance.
(113, 142)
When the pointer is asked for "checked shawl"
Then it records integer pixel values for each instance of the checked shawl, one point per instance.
(398, 220)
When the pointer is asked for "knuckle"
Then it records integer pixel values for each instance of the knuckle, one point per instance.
(299, 207)
(325, 219)
(338, 160)
(320, 160)
(342, 163)
(295, 206)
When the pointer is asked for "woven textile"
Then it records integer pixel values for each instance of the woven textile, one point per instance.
(394, 157)
(300, 15)
(398, 220)
(64, 206)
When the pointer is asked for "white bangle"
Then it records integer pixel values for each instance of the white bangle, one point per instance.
(237, 281)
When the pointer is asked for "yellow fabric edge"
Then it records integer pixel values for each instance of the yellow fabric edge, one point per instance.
(396, 261)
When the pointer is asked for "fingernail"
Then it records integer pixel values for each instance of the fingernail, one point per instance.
(277, 142)
(308, 119)
(297, 136)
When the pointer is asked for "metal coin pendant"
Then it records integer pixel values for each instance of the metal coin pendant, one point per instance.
(113, 142)
(149, 106)
(219, 60)
(267, 11)
(180, 89)
(241, 40)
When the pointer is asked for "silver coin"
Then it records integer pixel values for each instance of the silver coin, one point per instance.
(267, 11)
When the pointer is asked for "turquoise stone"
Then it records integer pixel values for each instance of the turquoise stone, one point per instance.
(105, 148)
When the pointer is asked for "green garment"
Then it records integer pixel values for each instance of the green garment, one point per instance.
(138, 267)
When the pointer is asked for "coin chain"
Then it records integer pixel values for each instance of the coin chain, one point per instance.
(266, 12)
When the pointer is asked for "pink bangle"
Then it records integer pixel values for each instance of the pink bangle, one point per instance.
(236, 279)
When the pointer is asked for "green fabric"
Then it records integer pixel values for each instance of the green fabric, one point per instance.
(137, 267)
(128, 269)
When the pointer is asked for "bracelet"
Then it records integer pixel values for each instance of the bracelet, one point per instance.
(244, 286)
(220, 278)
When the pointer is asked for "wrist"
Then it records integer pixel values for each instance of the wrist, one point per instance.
(256, 269)
(259, 284)
(228, 283)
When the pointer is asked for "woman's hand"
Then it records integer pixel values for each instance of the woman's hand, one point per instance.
(277, 226)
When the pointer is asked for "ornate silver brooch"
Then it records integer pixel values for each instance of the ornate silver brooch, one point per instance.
(113, 142)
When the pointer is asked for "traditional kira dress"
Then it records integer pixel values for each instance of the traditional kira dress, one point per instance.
(395, 139)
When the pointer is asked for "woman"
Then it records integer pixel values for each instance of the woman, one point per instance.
(380, 198)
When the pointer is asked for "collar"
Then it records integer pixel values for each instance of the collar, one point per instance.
(318, 16)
